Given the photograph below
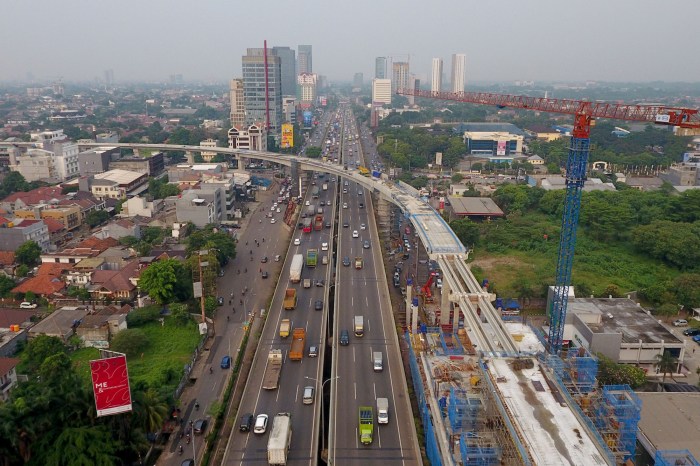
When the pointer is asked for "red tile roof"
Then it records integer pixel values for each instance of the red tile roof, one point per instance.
(53, 225)
(117, 280)
(37, 196)
(7, 364)
(7, 257)
(101, 245)
(44, 285)
(53, 269)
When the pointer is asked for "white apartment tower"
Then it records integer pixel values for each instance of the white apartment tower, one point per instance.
(459, 72)
(381, 91)
(400, 76)
(436, 81)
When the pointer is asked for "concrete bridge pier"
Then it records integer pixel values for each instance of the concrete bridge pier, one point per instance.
(190, 156)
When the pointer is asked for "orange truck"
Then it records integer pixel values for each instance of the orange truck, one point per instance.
(298, 344)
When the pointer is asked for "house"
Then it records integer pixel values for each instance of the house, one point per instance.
(48, 281)
(475, 208)
(118, 229)
(8, 376)
(116, 284)
(97, 330)
(7, 263)
(61, 323)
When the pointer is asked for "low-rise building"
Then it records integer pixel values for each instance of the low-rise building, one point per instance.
(115, 184)
(200, 207)
(8, 376)
(94, 161)
(474, 208)
(96, 331)
(61, 323)
(139, 206)
(620, 329)
(18, 233)
(152, 165)
(253, 137)
(69, 216)
(117, 285)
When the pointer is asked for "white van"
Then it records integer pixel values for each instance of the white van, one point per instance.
(377, 361)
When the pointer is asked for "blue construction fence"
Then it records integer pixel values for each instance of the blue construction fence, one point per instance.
(621, 409)
(674, 458)
(464, 410)
(475, 455)
(432, 450)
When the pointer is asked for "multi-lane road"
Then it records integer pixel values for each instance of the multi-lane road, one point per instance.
(363, 292)
(353, 382)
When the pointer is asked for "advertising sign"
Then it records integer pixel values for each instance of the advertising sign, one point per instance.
(287, 136)
(308, 117)
(501, 148)
(110, 383)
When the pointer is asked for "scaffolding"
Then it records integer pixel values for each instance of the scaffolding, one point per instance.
(577, 371)
(674, 458)
(479, 451)
(464, 410)
(616, 415)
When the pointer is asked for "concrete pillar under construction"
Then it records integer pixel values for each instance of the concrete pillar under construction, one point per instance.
(190, 156)
(409, 292)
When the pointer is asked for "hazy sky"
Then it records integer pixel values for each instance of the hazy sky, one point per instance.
(504, 40)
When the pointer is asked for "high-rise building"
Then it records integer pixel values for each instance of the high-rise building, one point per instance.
(381, 91)
(254, 89)
(380, 67)
(459, 71)
(237, 103)
(304, 63)
(109, 78)
(307, 88)
(357, 81)
(288, 66)
(400, 75)
(413, 83)
(436, 81)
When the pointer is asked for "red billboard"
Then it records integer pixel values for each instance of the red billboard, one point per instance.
(110, 383)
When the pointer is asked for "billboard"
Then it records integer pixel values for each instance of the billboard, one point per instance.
(287, 136)
(308, 117)
(110, 383)
(501, 148)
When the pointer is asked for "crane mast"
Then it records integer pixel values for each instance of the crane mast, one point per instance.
(585, 114)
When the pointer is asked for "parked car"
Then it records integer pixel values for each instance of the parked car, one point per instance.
(27, 305)
(691, 332)
(680, 323)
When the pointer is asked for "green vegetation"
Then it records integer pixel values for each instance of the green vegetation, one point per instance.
(28, 254)
(313, 152)
(211, 238)
(96, 217)
(166, 281)
(416, 148)
(625, 243)
(612, 373)
(159, 188)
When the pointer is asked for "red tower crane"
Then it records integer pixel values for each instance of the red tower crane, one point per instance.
(584, 113)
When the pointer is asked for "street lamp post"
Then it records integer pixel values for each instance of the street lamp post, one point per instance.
(323, 409)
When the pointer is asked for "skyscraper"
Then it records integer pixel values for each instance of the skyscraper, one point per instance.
(357, 80)
(459, 71)
(380, 67)
(237, 103)
(254, 88)
(413, 83)
(305, 62)
(436, 81)
(288, 66)
(400, 76)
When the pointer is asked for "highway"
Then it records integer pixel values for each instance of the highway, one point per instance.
(354, 382)
(247, 447)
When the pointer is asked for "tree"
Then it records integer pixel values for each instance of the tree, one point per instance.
(466, 230)
(6, 285)
(313, 152)
(208, 238)
(457, 178)
(149, 410)
(41, 348)
(96, 217)
(667, 310)
(612, 373)
(180, 314)
(131, 341)
(28, 253)
(160, 279)
(666, 363)
(76, 446)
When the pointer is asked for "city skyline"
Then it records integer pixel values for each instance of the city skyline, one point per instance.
(615, 43)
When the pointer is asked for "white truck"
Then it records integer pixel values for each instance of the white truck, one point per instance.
(296, 267)
(377, 362)
(382, 411)
(325, 186)
(280, 438)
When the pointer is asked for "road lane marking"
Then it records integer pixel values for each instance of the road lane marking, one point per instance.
(354, 384)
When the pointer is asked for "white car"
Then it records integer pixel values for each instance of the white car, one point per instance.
(308, 202)
(272, 220)
(345, 205)
(355, 234)
(260, 424)
(278, 210)
(272, 209)
(363, 226)
(324, 246)
(27, 305)
(297, 241)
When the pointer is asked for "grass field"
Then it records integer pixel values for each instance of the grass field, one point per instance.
(162, 364)
(519, 258)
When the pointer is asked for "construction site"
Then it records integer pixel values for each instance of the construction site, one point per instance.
(529, 408)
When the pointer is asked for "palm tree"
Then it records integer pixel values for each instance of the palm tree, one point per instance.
(149, 410)
(666, 363)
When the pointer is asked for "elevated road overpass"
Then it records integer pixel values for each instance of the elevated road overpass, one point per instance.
(439, 240)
